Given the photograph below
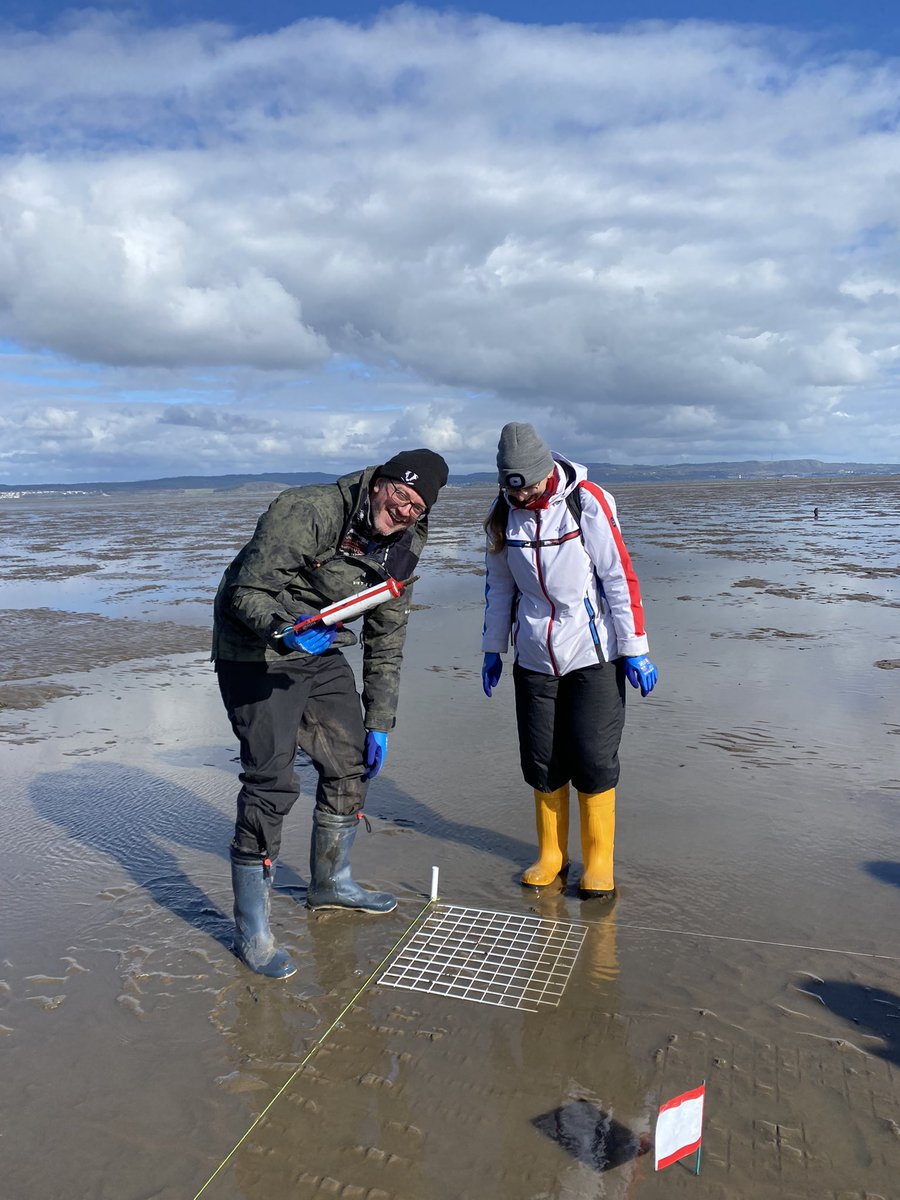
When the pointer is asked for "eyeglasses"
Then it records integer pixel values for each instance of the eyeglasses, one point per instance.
(403, 499)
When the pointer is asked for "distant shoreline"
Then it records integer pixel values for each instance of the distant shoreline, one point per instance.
(611, 473)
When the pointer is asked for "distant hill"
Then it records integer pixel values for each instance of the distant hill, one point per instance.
(792, 468)
(178, 483)
(789, 468)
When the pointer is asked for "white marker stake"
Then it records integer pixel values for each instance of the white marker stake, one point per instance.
(434, 883)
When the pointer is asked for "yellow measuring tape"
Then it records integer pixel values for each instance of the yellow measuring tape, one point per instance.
(315, 1046)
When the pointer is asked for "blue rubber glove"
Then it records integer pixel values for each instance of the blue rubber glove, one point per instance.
(491, 672)
(640, 672)
(375, 753)
(315, 639)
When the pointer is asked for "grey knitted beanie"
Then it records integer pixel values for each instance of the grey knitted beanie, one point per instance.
(523, 458)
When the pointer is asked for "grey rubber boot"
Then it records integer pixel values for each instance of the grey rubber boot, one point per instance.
(330, 883)
(253, 943)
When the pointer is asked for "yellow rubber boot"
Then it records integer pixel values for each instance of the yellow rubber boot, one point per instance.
(552, 818)
(598, 834)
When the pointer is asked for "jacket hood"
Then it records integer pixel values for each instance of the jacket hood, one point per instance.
(354, 486)
(570, 475)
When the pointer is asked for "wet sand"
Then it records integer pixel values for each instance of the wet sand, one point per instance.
(754, 942)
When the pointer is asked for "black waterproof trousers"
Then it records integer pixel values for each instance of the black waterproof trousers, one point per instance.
(570, 726)
(274, 707)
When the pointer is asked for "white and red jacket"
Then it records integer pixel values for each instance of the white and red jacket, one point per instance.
(566, 598)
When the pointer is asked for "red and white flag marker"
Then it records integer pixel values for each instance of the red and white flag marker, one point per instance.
(679, 1127)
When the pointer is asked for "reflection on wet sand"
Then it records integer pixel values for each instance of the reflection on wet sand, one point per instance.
(395, 1098)
(758, 803)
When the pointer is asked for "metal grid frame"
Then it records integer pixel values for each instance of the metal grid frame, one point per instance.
(511, 960)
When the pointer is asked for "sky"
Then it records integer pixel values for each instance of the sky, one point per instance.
(237, 238)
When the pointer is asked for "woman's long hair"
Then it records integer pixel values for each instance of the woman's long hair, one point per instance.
(495, 524)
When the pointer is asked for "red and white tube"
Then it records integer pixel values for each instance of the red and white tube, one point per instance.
(355, 605)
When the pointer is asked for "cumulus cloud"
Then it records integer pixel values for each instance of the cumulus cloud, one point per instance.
(662, 242)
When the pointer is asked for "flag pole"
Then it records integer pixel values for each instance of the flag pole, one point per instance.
(700, 1147)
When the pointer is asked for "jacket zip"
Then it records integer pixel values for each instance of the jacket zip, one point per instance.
(540, 575)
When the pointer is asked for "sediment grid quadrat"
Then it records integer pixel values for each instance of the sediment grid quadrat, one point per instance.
(509, 960)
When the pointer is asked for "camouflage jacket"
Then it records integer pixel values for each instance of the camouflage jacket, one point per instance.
(292, 567)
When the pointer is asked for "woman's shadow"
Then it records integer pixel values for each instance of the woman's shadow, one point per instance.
(129, 815)
(400, 808)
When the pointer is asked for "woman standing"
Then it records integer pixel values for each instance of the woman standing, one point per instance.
(561, 586)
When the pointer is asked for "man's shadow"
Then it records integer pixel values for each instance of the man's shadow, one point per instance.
(129, 815)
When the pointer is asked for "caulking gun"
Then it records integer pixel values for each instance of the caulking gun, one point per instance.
(355, 605)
